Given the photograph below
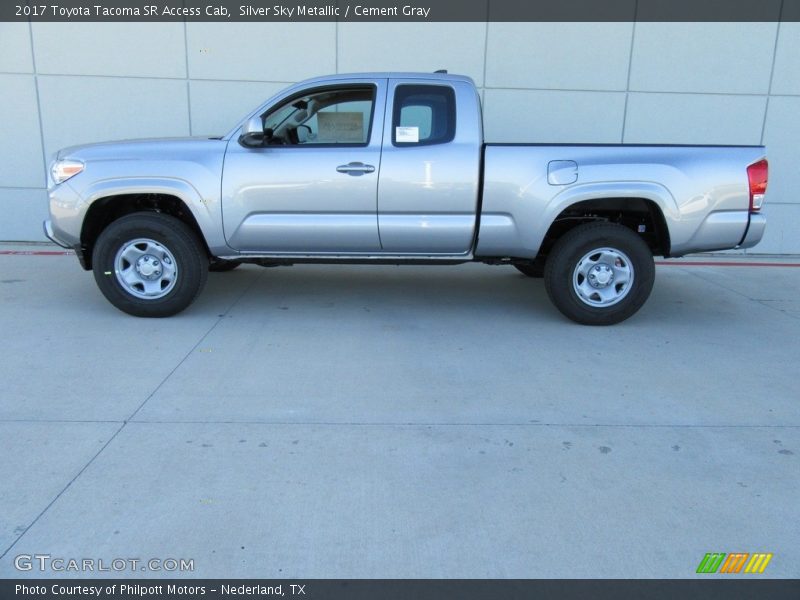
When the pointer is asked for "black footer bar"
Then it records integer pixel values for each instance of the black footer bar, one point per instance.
(401, 589)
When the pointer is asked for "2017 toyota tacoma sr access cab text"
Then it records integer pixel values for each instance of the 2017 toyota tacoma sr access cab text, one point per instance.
(392, 168)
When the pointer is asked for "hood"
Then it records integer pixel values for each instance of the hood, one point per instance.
(139, 149)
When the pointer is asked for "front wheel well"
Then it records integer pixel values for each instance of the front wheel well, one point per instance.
(105, 211)
(638, 214)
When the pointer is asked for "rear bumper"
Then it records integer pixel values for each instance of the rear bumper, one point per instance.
(755, 231)
(724, 230)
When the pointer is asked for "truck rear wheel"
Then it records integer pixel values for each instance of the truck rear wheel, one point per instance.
(149, 265)
(599, 273)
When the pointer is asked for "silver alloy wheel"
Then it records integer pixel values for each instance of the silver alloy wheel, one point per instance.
(145, 269)
(603, 277)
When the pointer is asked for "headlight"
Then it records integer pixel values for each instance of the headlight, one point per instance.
(64, 169)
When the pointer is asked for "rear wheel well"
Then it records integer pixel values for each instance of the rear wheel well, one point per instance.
(105, 211)
(639, 214)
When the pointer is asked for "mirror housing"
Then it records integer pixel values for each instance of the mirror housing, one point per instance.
(253, 133)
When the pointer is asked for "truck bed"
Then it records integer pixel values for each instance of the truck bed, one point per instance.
(702, 191)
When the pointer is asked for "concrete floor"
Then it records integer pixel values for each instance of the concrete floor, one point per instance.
(400, 422)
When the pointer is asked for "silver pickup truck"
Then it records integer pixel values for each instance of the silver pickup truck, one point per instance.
(392, 168)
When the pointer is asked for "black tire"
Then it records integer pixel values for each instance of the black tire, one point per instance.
(220, 265)
(163, 237)
(535, 270)
(564, 280)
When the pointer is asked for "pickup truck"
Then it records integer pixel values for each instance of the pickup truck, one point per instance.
(392, 168)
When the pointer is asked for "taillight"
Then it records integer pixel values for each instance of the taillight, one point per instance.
(757, 174)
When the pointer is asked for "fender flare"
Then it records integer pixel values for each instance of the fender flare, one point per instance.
(654, 192)
(179, 188)
(206, 213)
(647, 190)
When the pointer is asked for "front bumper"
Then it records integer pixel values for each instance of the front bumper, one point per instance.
(48, 231)
(47, 225)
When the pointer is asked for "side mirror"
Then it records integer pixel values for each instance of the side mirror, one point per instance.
(253, 133)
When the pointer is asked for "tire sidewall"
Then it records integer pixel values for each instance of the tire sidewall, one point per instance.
(169, 232)
(573, 247)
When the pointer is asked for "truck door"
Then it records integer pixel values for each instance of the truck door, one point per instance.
(428, 185)
(312, 187)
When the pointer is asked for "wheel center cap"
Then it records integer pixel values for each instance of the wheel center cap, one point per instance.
(148, 266)
(601, 275)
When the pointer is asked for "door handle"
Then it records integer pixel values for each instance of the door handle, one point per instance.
(355, 168)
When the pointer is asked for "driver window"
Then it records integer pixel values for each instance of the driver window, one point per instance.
(332, 116)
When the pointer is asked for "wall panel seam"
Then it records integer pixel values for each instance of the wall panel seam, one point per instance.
(630, 68)
(38, 102)
(186, 67)
(772, 72)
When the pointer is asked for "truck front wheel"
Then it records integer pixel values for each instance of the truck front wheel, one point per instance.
(149, 265)
(599, 273)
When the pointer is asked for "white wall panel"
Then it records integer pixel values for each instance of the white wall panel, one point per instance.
(21, 159)
(782, 138)
(550, 116)
(15, 48)
(261, 51)
(733, 58)
(426, 47)
(786, 79)
(118, 49)
(23, 211)
(77, 110)
(694, 119)
(218, 105)
(583, 56)
(783, 230)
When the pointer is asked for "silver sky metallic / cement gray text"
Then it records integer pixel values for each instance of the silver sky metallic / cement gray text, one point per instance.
(391, 11)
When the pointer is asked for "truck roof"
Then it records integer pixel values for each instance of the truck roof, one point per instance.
(389, 75)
